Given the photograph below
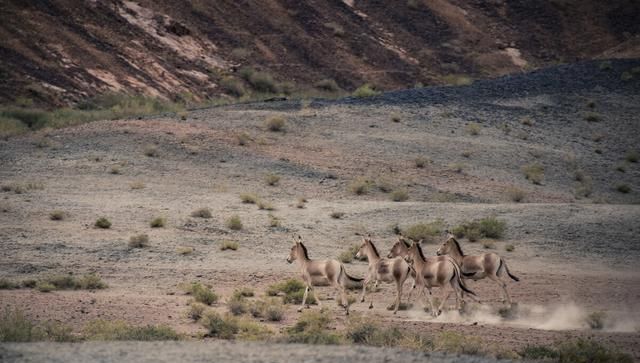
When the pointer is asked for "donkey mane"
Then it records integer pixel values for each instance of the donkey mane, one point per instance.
(375, 250)
(406, 243)
(304, 250)
(457, 245)
(420, 250)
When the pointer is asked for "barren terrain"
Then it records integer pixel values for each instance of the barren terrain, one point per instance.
(574, 253)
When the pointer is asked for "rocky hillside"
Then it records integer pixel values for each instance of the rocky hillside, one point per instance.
(56, 52)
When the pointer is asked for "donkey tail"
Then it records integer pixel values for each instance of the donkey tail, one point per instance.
(506, 268)
(349, 281)
(458, 277)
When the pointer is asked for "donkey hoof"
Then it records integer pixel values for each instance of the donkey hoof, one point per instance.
(299, 309)
(370, 306)
(362, 300)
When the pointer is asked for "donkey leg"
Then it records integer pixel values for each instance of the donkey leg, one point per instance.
(398, 298)
(364, 288)
(433, 308)
(304, 298)
(344, 300)
(503, 285)
(443, 302)
(315, 295)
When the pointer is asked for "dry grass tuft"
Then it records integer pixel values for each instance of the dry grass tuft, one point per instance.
(201, 213)
(275, 123)
(234, 223)
(229, 245)
(139, 241)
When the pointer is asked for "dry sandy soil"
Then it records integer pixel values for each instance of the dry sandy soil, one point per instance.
(573, 255)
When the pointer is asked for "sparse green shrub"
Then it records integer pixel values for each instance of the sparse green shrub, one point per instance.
(29, 283)
(623, 188)
(238, 305)
(218, 326)
(249, 198)
(151, 151)
(424, 231)
(6, 284)
(516, 194)
(201, 213)
(234, 223)
(457, 167)
(534, 172)
(421, 161)
(312, 328)
(293, 290)
(272, 310)
(466, 153)
(491, 227)
(489, 245)
(605, 65)
(229, 245)
(260, 81)
(538, 352)
(103, 223)
(328, 85)
(509, 248)
(201, 293)
(360, 186)
(632, 156)
(361, 331)
(57, 215)
(119, 330)
(349, 255)
(139, 241)
(274, 221)
(625, 76)
(272, 179)
(275, 123)
(399, 195)
(158, 222)
(90, 282)
(365, 91)
(264, 205)
(587, 351)
(232, 86)
(452, 342)
(44, 286)
(196, 310)
(15, 327)
(473, 128)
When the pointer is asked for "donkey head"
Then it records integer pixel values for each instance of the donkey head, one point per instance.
(400, 248)
(448, 245)
(295, 250)
(362, 251)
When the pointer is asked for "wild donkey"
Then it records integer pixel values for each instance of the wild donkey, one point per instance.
(322, 273)
(477, 267)
(437, 273)
(383, 269)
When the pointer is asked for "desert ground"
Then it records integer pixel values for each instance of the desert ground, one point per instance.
(575, 252)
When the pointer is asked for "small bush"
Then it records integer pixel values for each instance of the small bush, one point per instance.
(583, 350)
(57, 215)
(421, 161)
(312, 328)
(516, 194)
(491, 227)
(139, 241)
(234, 223)
(201, 293)
(349, 255)
(509, 248)
(238, 305)
(29, 283)
(260, 81)
(229, 245)
(184, 250)
(365, 91)
(592, 117)
(473, 128)
(425, 231)
(15, 327)
(196, 310)
(272, 179)
(538, 352)
(360, 186)
(301, 202)
(275, 123)
(595, 320)
(201, 213)
(399, 195)
(44, 286)
(232, 86)
(119, 330)
(273, 311)
(243, 138)
(384, 185)
(337, 215)
(274, 221)
(526, 121)
(489, 245)
(466, 153)
(264, 205)
(218, 326)
(457, 167)
(623, 188)
(328, 85)
(158, 222)
(452, 342)
(115, 170)
(336, 28)
(632, 156)
(103, 223)
(137, 185)
(6, 284)
(151, 151)
(249, 198)
(90, 282)
(293, 291)
(534, 172)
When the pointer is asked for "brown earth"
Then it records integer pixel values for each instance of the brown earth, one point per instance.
(574, 255)
(58, 52)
